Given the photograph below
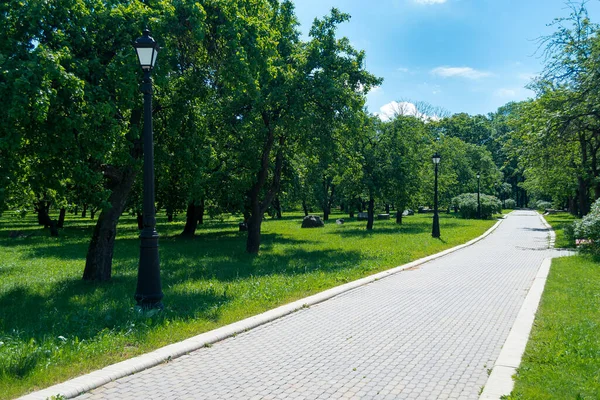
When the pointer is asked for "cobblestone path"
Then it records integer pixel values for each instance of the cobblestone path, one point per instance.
(428, 333)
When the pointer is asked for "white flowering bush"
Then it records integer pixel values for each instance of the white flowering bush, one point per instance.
(467, 205)
(510, 204)
(542, 205)
(587, 230)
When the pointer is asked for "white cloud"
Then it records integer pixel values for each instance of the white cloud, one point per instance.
(392, 109)
(462, 72)
(429, 1)
(505, 92)
(402, 69)
(375, 89)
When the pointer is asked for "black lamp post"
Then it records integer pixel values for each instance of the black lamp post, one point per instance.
(149, 292)
(435, 231)
(478, 197)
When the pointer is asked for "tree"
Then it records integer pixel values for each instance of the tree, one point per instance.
(404, 139)
(563, 123)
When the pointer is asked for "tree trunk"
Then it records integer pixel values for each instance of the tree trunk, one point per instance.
(399, 217)
(42, 209)
(42, 214)
(583, 197)
(254, 225)
(258, 208)
(370, 212)
(193, 215)
(387, 208)
(573, 205)
(200, 212)
(98, 264)
(140, 220)
(53, 228)
(92, 213)
(330, 199)
(351, 214)
(169, 215)
(61, 218)
(84, 212)
(277, 206)
(305, 208)
(327, 203)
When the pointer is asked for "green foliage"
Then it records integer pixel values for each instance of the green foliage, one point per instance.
(19, 357)
(510, 204)
(555, 136)
(588, 229)
(468, 206)
(542, 205)
(458, 169)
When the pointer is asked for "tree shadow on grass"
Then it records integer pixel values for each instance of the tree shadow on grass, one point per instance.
(75, 311)
(74, 248)
(51, 312)
(241, 266)
(73, 307)
(412, 228)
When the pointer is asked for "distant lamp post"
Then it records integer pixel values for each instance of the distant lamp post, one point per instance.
(478, 196)
(149, 292)
(435, 231)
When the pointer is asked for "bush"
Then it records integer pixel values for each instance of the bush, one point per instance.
(569, 232)
(467, 205)
(588, 229)
(542, 205)
(510, 204)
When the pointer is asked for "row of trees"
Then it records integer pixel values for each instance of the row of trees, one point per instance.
(556, 136)
(247, 117)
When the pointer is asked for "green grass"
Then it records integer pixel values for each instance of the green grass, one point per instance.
(562, 358)
(559, 222)
(54, 326)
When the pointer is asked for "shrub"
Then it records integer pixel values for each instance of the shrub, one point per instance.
(467, 205)
(542, 205)
(588, 229)
(510, 204)
(569, 232)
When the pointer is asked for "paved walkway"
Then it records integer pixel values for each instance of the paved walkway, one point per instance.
(431, 332)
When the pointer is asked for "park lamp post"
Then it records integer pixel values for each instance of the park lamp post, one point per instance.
(478, 196)
(148, 293)
(435, 231)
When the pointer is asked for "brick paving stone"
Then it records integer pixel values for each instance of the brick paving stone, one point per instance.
(431, 332)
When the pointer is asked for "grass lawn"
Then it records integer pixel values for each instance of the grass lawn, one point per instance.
(558, 222)
(562, 358)
(54, 326)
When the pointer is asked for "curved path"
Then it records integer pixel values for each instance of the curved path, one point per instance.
(430, 332)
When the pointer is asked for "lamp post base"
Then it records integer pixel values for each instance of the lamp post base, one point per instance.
(435, 231)
(148, 294)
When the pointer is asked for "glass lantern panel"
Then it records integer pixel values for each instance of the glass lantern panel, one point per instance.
(145, 56)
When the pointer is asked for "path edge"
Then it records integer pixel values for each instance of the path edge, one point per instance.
(500, 382)
(79, 385)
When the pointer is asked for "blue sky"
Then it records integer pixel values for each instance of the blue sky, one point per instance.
(463, 55)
